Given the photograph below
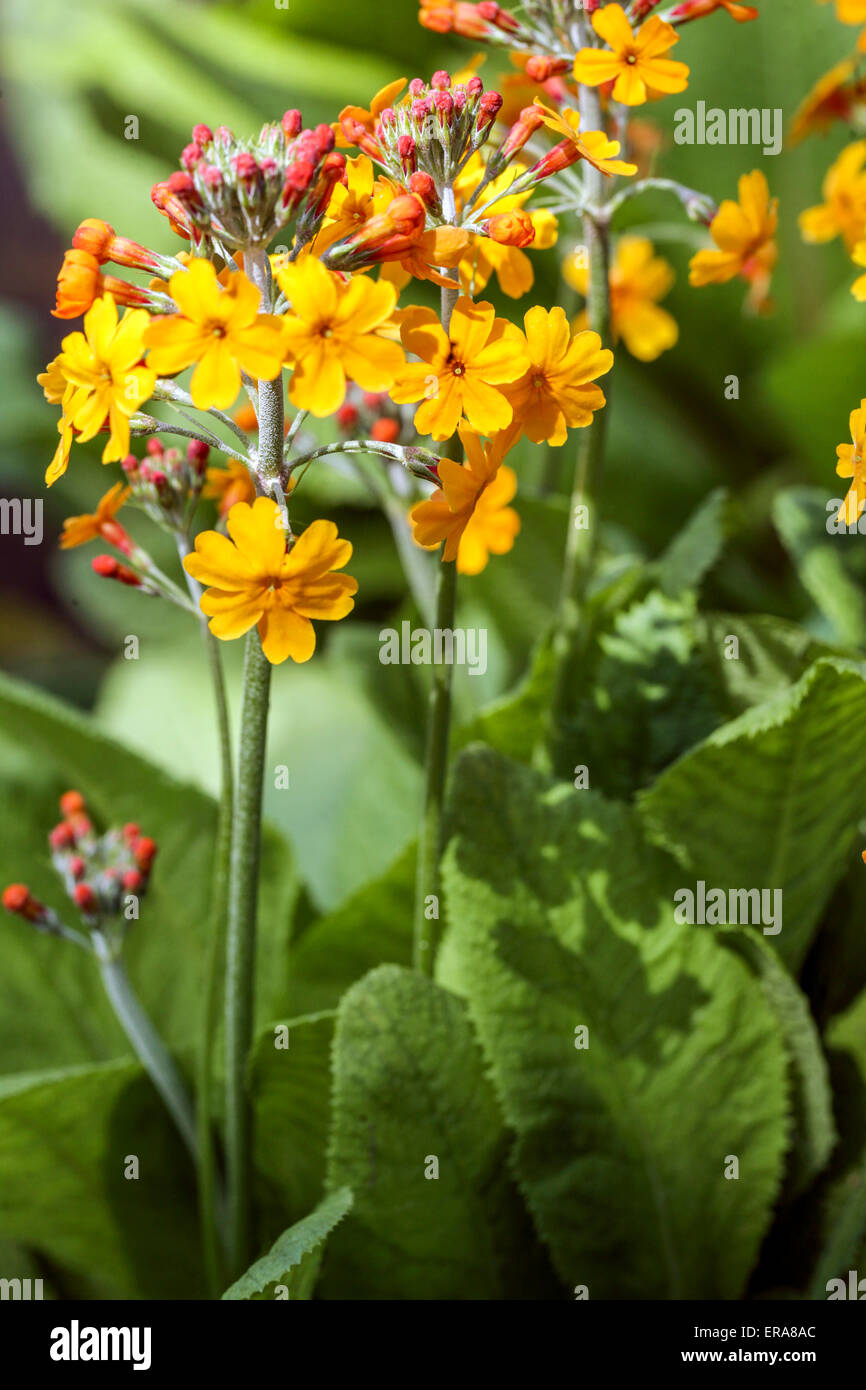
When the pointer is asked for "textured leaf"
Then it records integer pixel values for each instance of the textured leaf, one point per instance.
(693, 552)
(770, 655)
(409, 1087)
(560, 918)
(65, 1141)
(771, 800)
(293, 1261)
(801, 515)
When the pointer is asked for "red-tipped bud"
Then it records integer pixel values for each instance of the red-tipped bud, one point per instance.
(424, 187)
(131, 832)
(331, 173)
(77, 866)
(441, 80)
(386, 430)
(72, 803)
(421, 109)
(155, 447)
(62, 836)
(18, 899)
(444, 104)
(198, 453)
(202, 134)
(298, 178)
(325, 139)
(108, 568)
(132, 880)
(213, 177)
(374, 400)
(292, 123)
(190, 157)
(84, 898)
(562, 156)
(510, 228)
(527, 123)
(488, 109)
(474, 87)
(130, 465)
(246, 168)
(183, 187)
(540, 67)
(172, 208)
(357, 134)
(145, 852)
(494, 14)
(347, 417)
(406, 148)
(417, 87)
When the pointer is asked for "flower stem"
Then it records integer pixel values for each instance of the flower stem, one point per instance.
(145, 1041)
(582, 535)
(427, 880)
(246, 844)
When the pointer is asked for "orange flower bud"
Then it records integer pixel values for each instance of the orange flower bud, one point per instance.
(562, 156)
(540, 67)
(18, 899)
(171, 207)
(72, 804)
(510, 228)
(387, 237)
(527, 123)
(95, 237)
(78, 284)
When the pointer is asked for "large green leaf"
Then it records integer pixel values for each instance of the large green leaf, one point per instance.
(290, 1268)
(66, 1139)
(44, 979)
(771, 800)
(562, 918)
(820, 559)
(697, 547)
(418, 1137)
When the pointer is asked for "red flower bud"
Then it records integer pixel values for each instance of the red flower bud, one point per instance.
(292, 123)
(84, 897)
(488, 109)
(198, 453)
(424, 187)
(474, 87)
(347, 417)
(108, 568)
(444, 104)
(540, 67)
(132, 880)
(386, 430)
(441, 80)
(510, 228)
(357, 134)
(73, 804)
(494, 14)
(246, 168)
(190, 156)
(527, 123)
(62, 836)
(17, 898)
(202, 134)
(77, 866)
(417, 87)
(145, 852)
(406, 149)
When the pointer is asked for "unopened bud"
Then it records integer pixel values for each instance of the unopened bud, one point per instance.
(84, 898)
(510, 228)
(540, 67)
(72, 803)
(107, 567)
(386, 430)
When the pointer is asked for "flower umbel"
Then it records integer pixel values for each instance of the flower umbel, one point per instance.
(256, 581)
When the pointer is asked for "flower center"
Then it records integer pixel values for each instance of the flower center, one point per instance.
(631, 58)
(459, 369)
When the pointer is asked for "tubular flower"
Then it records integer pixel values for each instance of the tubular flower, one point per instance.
(696, 9)
(229, 485)
(388, 236)
(460, 371)
(80, 282)
(638, 279)
(255, 581)
(830, 100)
(220, 330)
(353, 203)
(100, 240)
(743, 232)
(557, 392)
(78, 530)
(593, 146)
(843, 212)
(336, 333)
(470, 511)
(633, 61)
(851, 465)
(104, 366)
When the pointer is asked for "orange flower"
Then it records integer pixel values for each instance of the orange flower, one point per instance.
(828, 101)
(743, 232)
(470, 511)
(78, 530)
(633, 61)
(460, 371)
(696, 9)
(368, 118)
(851, 465)
(843, 211)
(229, 485)
(80, 282)
(638, 279)
(557, 392)
(593, 146)
(437, 249)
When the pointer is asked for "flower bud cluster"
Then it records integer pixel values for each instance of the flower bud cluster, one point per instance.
(167, 483)
(243, 193)
(373, 415)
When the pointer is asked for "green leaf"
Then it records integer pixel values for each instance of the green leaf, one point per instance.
(768, 657)
(410, 1095)
(692, 553)
(43, 978)
(66, 1139)
(820, 559)
(771, 800)
(562, 918)
(293, 1261)
(290, 1088)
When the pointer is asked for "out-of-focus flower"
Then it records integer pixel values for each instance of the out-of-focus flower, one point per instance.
(697, 9)
(633, 60)
(830, 100)
(858, 256)
(336, 332)
(220, 330)
(78, 530)
(843, 211)
(744, 233)
(460, 371)
(104, 364)
(255, 581)
(851, 465)
(558, 393)
(593, 146)
(229, 485)
(638, 280)
(470, 511)
(850, 11)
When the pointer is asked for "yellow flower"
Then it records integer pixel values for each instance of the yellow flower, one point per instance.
(53, 382)
(353, 203)
(78, 530)
(336, 333)
(633, 61)
(850, 11)
(843, 211)
(744, 233)
(255, 581)
(512, 267)
(557, 394)
(593, 146)
(104, 366)
(827, 102)
(850, 465)
(219, 329)
(60, 462)
(470, 511)
(638, 279)
(460, 371)
(229, 485)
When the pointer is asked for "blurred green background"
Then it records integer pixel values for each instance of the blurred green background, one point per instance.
(73, 74)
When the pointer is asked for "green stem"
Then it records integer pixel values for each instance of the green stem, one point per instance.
(210, 1196)
(246, 846)
(145, 1041)
(582, 535)
(427, 880)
